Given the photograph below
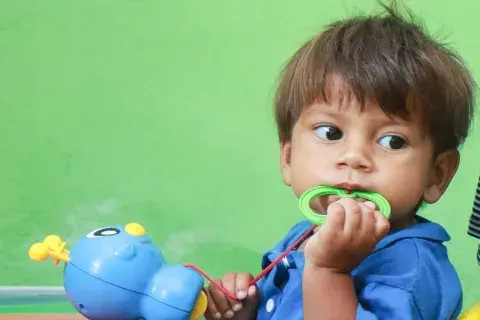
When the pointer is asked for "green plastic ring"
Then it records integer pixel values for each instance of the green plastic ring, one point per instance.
(319, 219)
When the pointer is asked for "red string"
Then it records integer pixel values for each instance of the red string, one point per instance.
(261, 274)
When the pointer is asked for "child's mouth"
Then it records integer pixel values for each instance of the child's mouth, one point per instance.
(326, 201)
(320, 204)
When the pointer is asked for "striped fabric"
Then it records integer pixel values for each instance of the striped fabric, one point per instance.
(474, 225)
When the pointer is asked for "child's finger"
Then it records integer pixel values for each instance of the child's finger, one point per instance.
(370, 204)
(241, 289)
(221, 300)
(367, 228)
(253, 295)
(229, 282)
(353, 217)
(335, 217)
(212, 310)
(382, 225)
(253, 298)
(242, 284)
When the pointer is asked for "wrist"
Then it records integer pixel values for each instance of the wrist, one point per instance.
(323, 269)
(328, 293)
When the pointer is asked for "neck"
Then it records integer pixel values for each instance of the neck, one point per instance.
(405, 222)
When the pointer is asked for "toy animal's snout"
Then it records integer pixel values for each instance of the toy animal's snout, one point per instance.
(129, 251)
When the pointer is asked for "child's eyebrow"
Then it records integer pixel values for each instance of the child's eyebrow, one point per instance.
(381, 119)
(390, 120)
(323, 110)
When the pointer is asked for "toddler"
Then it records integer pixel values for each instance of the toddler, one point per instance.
(372, 103)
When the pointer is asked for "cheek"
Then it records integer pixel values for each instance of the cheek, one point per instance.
(404, 188)
(301, 180)
(308, 167)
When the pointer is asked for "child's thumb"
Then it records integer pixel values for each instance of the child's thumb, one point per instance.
(253, 296)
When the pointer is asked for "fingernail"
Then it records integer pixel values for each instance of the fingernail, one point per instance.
(241, 294)
(237, 307)
(251, 290)
(229, 314)
(370, 204)
(218, 315)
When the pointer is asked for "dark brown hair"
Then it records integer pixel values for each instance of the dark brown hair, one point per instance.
(384, 57)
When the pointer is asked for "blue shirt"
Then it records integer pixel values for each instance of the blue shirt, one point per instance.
(407, 276)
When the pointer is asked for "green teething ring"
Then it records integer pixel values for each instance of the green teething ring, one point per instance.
(382, 203)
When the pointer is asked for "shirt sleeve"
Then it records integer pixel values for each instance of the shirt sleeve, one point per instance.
(380, 301)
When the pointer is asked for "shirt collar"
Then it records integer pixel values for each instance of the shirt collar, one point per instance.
(424, 229)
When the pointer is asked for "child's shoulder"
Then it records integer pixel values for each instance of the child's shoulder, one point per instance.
(416, 251)
(414, 261)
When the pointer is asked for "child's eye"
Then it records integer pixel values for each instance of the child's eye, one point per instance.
(392, 142)
(329, 133)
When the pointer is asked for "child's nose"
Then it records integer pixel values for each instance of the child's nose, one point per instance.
(355, 158)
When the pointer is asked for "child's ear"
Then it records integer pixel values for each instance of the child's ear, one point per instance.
(444, 168)
(285, 157)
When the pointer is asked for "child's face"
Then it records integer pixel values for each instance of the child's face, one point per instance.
(363, 150)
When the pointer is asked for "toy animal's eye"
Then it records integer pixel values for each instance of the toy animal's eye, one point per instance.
(103, 232)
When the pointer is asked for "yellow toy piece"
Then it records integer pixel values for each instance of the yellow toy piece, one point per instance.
(200, 306)
(135, 229)
(39, 252)
(471, 314)
(52, 246)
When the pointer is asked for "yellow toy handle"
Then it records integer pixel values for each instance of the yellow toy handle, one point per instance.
(52, 246)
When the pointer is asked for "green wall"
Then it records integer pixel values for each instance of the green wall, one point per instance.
(159, 112)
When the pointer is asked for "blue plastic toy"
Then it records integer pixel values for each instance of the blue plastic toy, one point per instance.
(117, 273)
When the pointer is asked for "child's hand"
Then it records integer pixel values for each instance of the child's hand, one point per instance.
(221, 307)
(350, 233)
